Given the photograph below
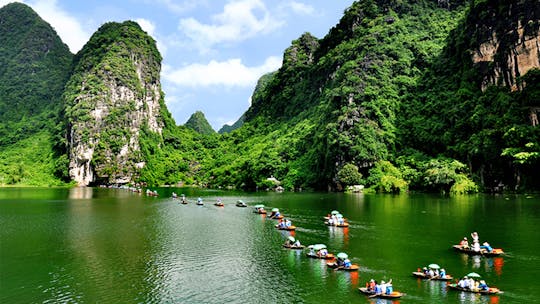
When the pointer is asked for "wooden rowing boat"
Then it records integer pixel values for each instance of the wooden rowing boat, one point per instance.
(294, 247)
(326, 257)
(371, 294)
(219, 204)
(240, 204)
(422, 275)
(490, 291)
(336, 225)
(354, 267)
(469, 251)
(290, 228)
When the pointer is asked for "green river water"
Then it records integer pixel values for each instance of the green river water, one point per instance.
(95, 245)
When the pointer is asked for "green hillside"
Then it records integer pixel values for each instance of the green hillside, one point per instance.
(34, 66)
(198, 122)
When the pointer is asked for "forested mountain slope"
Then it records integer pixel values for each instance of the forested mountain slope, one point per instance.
(34, 66)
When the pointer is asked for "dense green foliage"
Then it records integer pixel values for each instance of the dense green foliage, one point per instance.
(31, 162)
(34, 66)
(197, 121)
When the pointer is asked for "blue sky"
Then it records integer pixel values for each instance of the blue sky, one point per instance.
(214, 51)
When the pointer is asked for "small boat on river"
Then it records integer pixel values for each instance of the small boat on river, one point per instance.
(240, 203)
(490, 291)
(484, 252)
(343, 225)
(372, 294)
(287, 228)
(259, 209)
(424, 276)
(353, 267)
(319, 251)
(294, 247)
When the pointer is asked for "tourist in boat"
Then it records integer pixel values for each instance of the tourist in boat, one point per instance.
(475, 237)
(389, 288)
(476, 247)
(297, 243)
(442, 274)
(382, 287)
(322, 253)
(483, 286)
(275, 214)
(425, 271)
(199, 201)
(431, 273)
(183, 198)
(486, 247)
(464, 282)
(287, 223)
(378, 288)
(290, 241)
(371, 285)
(174, 195)
(347, 263)
(464, 243)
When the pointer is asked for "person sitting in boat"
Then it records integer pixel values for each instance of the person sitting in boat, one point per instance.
(476, 247)
(347, 263)
(487, 247)
(431, 273)
(174, 195)
(331, 221)
(322, 253)
(341, 221)
(382, 287)
(297, 243)
(475, 237)
(389, 287)
(378, 288)
(464, 243)
(281, 223)
(442, 273)
(275, 214)
(371, 285)
(483, 286)
(425, 271)
(463, 282)
(311, 250)
(287, 223)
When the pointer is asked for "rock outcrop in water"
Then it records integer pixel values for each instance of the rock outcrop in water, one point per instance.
(113, 94)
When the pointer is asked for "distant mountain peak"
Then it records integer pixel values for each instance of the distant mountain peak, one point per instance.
(198, 122)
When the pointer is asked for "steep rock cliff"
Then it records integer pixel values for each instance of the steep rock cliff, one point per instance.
(113, 94)
(505, 40)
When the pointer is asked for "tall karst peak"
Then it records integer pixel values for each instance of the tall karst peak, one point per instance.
(34, 67)
(112, 97)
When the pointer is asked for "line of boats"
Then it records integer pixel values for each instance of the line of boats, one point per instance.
(469, 283)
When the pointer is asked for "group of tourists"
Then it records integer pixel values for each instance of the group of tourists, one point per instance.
(475, 244)
(335, 219)
(469, 283)
(434, 273)
(379, 289)
(284, 223)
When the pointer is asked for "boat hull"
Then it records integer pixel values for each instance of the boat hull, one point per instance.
(495, 252)
(371, 294)
(421, 275)
(491, 290)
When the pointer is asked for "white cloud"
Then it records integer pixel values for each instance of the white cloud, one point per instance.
(240, 20)
(301, 8)
(147, 25)
(67, 26)
(226, 73)
(177, 6)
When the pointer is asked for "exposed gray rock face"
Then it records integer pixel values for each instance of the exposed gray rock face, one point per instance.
(110, 99)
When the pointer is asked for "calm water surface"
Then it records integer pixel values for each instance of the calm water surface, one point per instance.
(88, 245)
